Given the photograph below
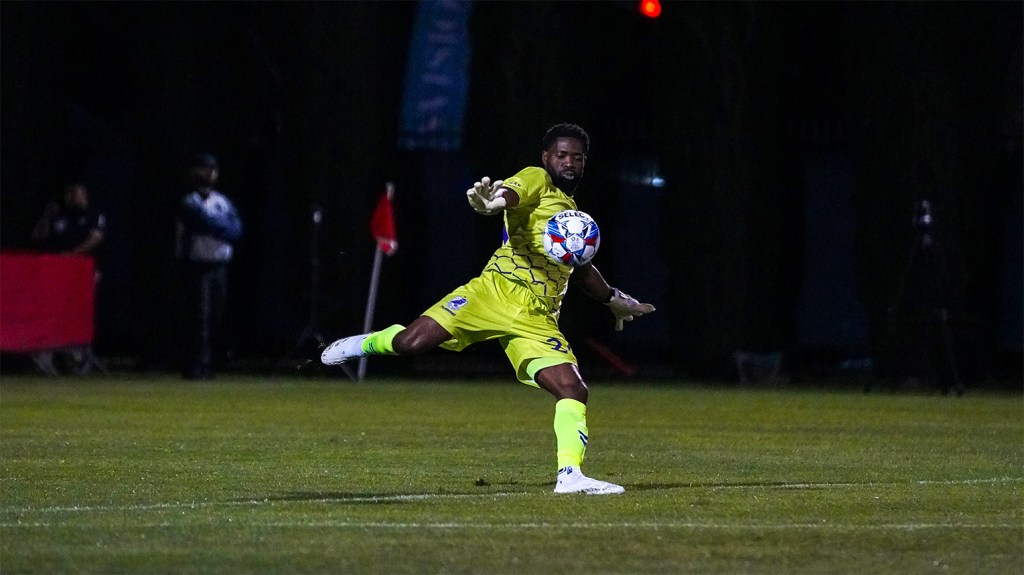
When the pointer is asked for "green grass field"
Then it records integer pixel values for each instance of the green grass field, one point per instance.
(158, 475)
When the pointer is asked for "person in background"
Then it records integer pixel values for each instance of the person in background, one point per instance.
(69, 226)
(207, 227)
(517, 300)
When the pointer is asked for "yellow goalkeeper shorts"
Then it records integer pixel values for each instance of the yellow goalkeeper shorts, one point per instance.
(490, 306)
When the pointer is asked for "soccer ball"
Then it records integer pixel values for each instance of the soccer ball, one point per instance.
(571, 238)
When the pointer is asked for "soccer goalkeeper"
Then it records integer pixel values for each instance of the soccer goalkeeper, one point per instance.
(517, 299)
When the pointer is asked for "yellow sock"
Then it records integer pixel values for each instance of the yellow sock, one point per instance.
(570, 432)
(380, 342)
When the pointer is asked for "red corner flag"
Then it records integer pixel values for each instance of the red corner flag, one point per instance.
(382, 225)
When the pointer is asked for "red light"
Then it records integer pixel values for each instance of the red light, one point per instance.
(650, 8)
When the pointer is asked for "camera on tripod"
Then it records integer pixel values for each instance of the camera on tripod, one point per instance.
(923, 221)
(923, 300)
(923, 215)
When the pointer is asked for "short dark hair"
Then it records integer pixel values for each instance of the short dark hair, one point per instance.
(565, 131)
(204, 161)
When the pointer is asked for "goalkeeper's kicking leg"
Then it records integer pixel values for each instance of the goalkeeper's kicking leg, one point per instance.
(422, 335)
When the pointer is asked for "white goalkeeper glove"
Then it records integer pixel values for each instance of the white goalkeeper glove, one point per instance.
(625, 308)
(481, 197)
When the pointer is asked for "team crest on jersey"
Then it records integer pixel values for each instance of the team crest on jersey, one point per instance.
(455, 303)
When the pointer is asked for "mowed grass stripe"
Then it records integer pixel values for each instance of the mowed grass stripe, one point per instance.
(561, 526)
(447, 496)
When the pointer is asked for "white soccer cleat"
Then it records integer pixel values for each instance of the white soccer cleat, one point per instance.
(343, 350)
(572, 480)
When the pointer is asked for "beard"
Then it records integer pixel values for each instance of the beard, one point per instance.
(567, 185)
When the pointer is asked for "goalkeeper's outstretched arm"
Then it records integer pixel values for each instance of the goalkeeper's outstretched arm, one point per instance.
(623, 306)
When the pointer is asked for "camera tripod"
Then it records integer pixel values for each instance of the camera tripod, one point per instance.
(924, 297)
(310, 338)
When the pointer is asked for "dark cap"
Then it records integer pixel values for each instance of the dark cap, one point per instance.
(204, 161)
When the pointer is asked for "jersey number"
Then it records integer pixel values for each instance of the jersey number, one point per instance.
(558, 345)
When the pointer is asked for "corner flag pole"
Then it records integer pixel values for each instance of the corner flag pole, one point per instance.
(383, 236)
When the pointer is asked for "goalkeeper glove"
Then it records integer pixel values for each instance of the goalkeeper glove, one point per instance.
(625, 308)
(481, 197)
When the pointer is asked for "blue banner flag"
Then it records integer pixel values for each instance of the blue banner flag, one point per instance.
(436, 79)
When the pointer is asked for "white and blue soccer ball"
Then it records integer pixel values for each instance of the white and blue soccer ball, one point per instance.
(571, 238)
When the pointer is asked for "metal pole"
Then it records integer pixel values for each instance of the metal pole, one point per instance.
(371, 301)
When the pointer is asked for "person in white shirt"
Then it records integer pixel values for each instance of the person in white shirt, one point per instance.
(208, 226)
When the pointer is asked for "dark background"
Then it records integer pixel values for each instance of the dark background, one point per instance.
(794, 140)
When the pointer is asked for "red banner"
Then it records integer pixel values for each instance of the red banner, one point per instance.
(46, 301)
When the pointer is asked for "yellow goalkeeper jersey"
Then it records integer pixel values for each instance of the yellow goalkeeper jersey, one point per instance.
(521, 257)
